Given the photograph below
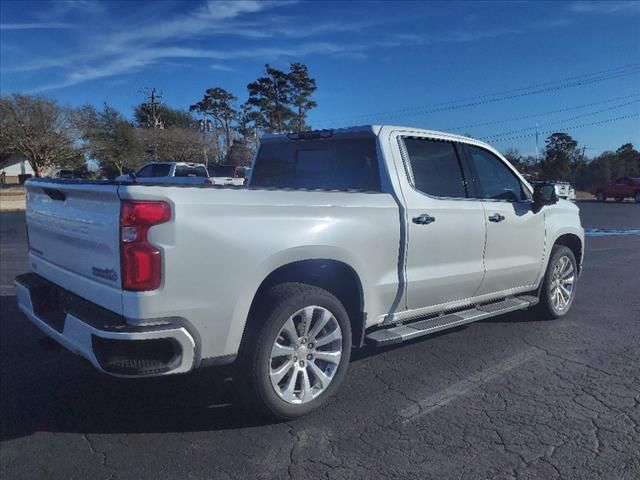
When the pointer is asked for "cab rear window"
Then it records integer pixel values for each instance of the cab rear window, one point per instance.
(325, 163)
(190, 171)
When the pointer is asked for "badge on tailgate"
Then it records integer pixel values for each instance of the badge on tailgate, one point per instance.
(106, 273)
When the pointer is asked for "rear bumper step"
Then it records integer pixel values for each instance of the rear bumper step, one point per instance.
(402, 333)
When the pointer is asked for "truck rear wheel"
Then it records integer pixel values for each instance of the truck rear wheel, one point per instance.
(298, 356)
(559, 283)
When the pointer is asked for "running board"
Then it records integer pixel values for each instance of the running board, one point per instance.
(402, 333)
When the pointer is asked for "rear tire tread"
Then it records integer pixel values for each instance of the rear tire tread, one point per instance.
(255, 389)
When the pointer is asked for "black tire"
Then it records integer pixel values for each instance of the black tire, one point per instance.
(546, 306)
(276, 307)
(636, 197)
(601, 197)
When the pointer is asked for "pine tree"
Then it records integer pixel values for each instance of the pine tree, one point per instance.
(218, 104)
(271, 96)
(302, 87)
(560, 154)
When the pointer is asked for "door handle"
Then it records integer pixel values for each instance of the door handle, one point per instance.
(424, 219)
(496, 217)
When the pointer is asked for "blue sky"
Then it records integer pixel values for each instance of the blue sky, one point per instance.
(426, 64)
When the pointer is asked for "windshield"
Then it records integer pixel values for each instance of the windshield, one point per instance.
(328, 164)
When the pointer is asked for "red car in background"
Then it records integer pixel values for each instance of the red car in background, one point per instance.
(621, 188)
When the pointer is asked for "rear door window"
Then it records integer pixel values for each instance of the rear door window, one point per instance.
(145, 171)
(160, 170)
(336, 163)
(200, 171)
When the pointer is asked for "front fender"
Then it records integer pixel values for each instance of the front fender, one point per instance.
(562, 219)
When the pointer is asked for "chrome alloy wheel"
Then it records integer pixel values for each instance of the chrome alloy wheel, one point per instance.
(305, 355)
(562, 283)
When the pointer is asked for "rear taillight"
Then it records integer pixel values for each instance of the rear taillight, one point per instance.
(141, 261)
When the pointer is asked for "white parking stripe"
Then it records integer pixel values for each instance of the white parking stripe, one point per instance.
(7, 290)
(449, 394)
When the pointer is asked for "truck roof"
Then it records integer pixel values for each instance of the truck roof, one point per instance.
(376, 130)
(169, 162)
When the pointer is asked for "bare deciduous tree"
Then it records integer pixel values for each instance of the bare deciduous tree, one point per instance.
(43, 131)
(180, 144)
(111, 140)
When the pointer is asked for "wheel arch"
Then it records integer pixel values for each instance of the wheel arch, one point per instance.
(574, 243)
(337, 277)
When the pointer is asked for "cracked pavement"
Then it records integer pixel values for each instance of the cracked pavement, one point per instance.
(513, 397)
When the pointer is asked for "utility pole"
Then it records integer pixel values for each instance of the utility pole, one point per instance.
(537, 157)
(153, 117)
(205, 127)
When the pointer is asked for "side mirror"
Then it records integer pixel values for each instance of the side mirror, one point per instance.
(544, 194)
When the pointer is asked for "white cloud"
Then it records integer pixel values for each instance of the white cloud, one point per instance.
(203, 20)
(605, 7)
(134, 47)
(220, 67)
(34, 26)
(62, 8)
(137, 60)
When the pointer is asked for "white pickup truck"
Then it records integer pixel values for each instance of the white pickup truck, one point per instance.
(175, 173)
(369, 235)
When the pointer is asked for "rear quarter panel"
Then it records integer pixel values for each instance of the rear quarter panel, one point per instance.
(222, 243)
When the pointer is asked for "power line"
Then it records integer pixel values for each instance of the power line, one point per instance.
(570, 82)
(564, 120)
(583, 76)
(572, 127)
(518, 95)
(540, 114)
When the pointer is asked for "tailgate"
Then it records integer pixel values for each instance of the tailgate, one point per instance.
(74, 228)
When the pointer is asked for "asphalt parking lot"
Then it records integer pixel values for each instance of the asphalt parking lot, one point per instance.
(514, 397)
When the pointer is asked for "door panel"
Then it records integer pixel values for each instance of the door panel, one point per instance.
(444, 258)
(515, 246)
(515, 234)
(446, 231)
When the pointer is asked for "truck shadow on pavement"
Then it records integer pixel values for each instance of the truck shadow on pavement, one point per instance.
(47, 389)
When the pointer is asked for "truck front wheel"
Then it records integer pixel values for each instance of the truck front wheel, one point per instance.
(559, 283)
(297, 357)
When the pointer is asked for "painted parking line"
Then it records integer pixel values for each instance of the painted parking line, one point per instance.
(465, 386)
(7, 290)
(610, 232)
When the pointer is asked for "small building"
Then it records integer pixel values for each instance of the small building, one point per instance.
(15, 165)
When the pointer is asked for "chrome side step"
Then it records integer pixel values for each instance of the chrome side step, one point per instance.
(402, 333)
